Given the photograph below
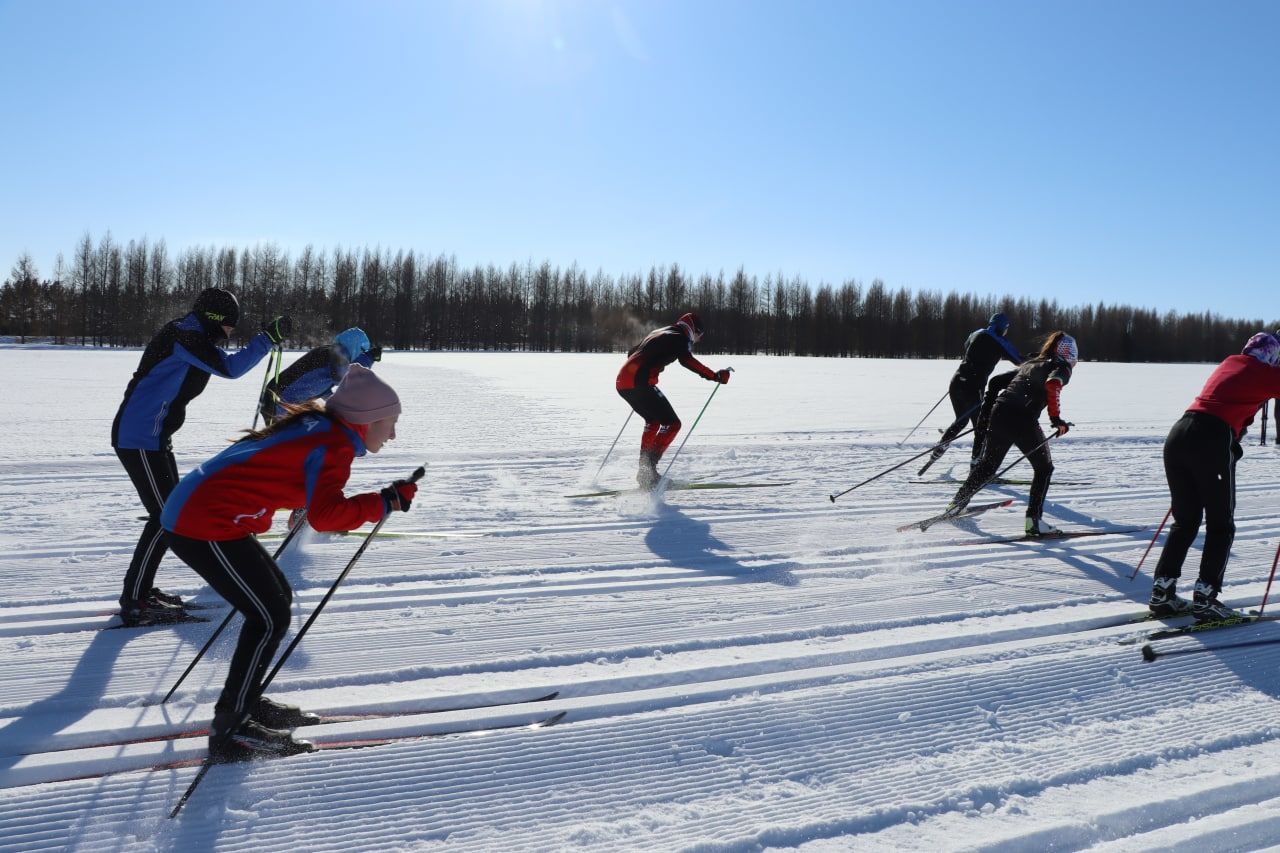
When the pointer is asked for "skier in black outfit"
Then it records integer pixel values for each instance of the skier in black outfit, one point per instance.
(174, 369)
(982, 352)
(1015, 417)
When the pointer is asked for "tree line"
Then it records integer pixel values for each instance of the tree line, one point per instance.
(113, 294)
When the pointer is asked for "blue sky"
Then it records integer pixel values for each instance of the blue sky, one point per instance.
(1081, 151)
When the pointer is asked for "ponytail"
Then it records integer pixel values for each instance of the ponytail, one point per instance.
(1049, 345)
(293, 414)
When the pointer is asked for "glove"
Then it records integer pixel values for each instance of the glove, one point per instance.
(1060, 425)
(375, 353)
(399, 495)
(278, 329)
(722, 376)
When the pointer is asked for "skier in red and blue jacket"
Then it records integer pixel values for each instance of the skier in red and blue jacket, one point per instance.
(1200, 455)
(302, 460)
(174, 369)
(637, 383)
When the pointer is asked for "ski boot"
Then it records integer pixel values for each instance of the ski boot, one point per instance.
(647, 476)
(1165, 601)
(1039, 529)
(163, 597)
(1206, 607)
(277, 715)
(150, 611)
(237, 737)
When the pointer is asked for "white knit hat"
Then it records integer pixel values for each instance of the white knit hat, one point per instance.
(363, 398)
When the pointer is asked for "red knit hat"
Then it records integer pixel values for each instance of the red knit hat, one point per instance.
(363, 398)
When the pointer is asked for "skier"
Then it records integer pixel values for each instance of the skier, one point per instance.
(637, 383)
(982, 352)
(303, 459)
(174, 369)
(1200, 455)
(316, 374)
(1015, 419)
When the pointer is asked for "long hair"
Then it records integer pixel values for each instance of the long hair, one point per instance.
(1050, 344)
(292, 414)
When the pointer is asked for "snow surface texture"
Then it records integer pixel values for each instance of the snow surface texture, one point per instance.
(741, 669)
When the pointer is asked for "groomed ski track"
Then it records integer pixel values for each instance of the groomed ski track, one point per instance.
(740, 669)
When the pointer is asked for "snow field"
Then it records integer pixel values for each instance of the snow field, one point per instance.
(739, 669)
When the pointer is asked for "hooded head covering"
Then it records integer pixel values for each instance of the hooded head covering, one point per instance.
(1264, 347)
(363, 398)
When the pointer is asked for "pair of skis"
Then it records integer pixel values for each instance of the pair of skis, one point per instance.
(679, 487)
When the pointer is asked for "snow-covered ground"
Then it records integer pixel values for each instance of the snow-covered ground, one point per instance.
(740, 669)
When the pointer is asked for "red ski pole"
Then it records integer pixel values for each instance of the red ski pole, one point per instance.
(1152, 545)
(1263, 606)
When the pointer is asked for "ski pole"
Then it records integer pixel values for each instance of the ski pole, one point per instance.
(672, 461)
(208, 761)
(225, 622)
(1149, 654)
(1152, 545)
(1003, 471)
(277, 353)
(612, 446)
(1265, 405)
(894, 468)
(925, 418)
(302, 632)
(946, 442)
(1263, 606)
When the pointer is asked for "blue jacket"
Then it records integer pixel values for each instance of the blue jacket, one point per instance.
(174, 370)
(313, 376)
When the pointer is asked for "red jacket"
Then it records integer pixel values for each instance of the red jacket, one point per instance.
(237, 492)
(656, 351)
(1235, 391)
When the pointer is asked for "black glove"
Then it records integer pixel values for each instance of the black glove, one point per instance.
(722, 376)
(375, 353)
(399, 495)
(278, 329)
(1060, 425)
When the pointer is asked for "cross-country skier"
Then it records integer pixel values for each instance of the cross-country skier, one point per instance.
(303, 459)
(637, 383)
(316, 374)
(1015, 420)
(175, 367)
(982, 352)
(1200, 457)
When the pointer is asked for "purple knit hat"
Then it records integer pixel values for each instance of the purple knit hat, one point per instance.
(1264, 347)
(363, 398)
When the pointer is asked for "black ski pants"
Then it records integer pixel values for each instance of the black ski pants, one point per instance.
(154, 474)
(650, 403)
(242, 572)
(1200, 456)
(966, 401)
(1012, 425)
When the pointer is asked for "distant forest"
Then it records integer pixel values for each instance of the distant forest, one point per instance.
(113, 294)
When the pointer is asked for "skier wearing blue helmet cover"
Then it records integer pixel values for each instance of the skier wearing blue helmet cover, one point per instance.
(316, 374)
(982, 352)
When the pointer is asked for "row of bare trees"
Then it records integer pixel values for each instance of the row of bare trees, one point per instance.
(118, 294)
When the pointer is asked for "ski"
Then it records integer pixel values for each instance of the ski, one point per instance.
(360, 743)
(681, 487)
(1201, 627)
(325, 719)
(184, 619)
(947, 517)
(1002, 481)
(1067, 534)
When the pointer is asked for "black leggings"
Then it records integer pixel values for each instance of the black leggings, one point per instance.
(154, 475)
(1012, 425)
(966, 399)
(650, 404)
(1200, 464)
(242, 572)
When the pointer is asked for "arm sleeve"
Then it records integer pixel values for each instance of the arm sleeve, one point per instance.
(696, 366)
(197, 351)
(1053, 396)
(364, 360)
(328, 509)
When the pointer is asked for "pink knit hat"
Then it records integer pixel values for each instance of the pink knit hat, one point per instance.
(363, 398)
